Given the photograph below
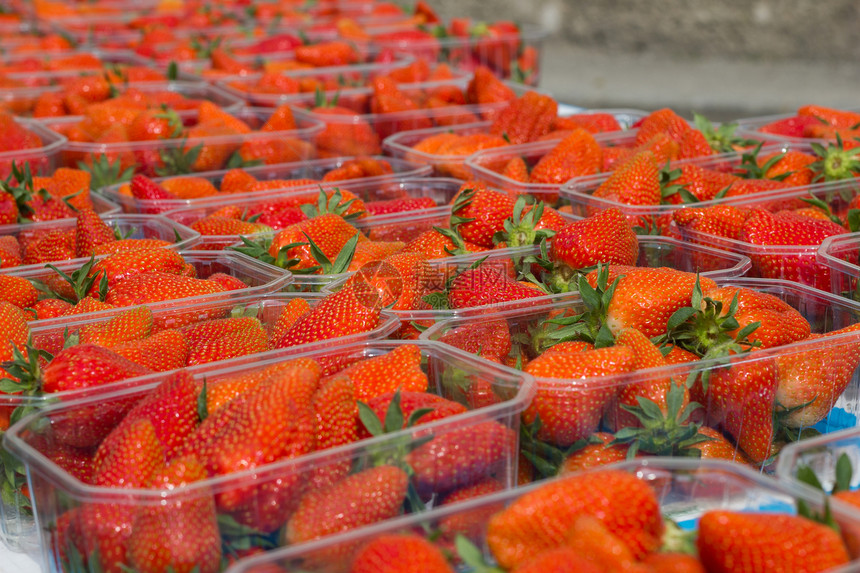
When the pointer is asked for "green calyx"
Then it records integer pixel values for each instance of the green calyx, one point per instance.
(82, 282)
(835, 163)
(330, 205)
(521, 229)
(722, 139)
(104, 172)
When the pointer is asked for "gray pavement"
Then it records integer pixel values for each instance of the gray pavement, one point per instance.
(719, 88)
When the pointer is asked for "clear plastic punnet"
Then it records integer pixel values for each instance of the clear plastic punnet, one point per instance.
(840, 254)
(684, 489)
(124, 225)
(263, 497)
(43, 159)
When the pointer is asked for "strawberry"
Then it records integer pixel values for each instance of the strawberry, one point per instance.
(153, 287)
(577, 155)
(352, 310)
(346, 133)
(485, 87)
(130, 325)
(165, 350)
(491, 340)
(626, 505)
(599, 451)
(17, 291)
(645, 298)
(596, 544)
(106, 528)
(91, 232)
(398, 369)
(336, 413)
(487, 285)
(52, 246)
(123, 245)
(15, 331)
(403, 553)
(558, 560)
(810, 381)
(792, 126)
(429, 407)
(120, 266)
(482, 212)
(526, 118)
(744, 542)
(602, 238)
(243, 343)
(363, 498)
(779, 322)
(572, 411)
(665, 121)
(10, 252)
(766, 229)
(673, 563)
(739, 398)
(698, 183)
(49, 308)
(144, 188)
(181, 534)
(832, 116)
(461, 457)
(326, 54)
(720, 220)
(636, 182)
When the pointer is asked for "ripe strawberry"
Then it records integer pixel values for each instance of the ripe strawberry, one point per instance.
(626, 505)
(488, 285)
(144, 188)
(181, 534)
(572, 410)
(403, 553)
(366, 497)
(165, 350)
(130, 325)
(558, 560)
(673, 563)
(484, 212)
(10, 252)
(598, 452)
(106, 528)
(17, 291)
(810, 381)
(766, 229)
(720, 220)
(701, 183)
(792, 126)
(120, 266)
(780, 323)
(49, 308)
(835, 117)
(461, 457)
(743, 542)
(739, 398)
(485, 87)
(171, 409)
(636, 182)
(145, 288)
(398, 369)
(717, 447)
(351, 310)
(526, 118)
(596, 544)
(645, 298)
(490, 340)
(662, 121)
(91, 232)
(346, 133)
(15, 331)
(577, 155)
(407, 403)
(243, 343)
(602, 238)
(54, 245)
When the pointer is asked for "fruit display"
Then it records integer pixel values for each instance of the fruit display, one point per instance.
(337, 286)
(650, 516)
(262, 479)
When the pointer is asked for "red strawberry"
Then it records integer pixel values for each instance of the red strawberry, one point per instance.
(740, 399)
(626, 505)
(602, 238)
(526, 118)
(645, 298)
(90, 232)
(742, 542)
(767, 229)
(351, 310)
(181, 534)
(106, 528)
(815, 377)
(165, 350)
(410, 402)
(144, 188)
(154, 286)
(636, 182)
(490, 340)
(10, 252)
(577, 155)
(242, 343)
(569, 402)
(17, 291)
(130, 325)
(461, 457)
(399, 368)
(598, 452)
(361, 499)
(400, 554)
(791, 126)
(487, 285)
(399, 205)
(720, 220)
(484, 211)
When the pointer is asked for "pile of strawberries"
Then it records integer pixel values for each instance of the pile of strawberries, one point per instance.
(358, 269)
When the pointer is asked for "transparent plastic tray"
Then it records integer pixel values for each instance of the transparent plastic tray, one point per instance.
(840, 254)
(310, 169)
(128, 226)
(73, 152)
(685, 489)
(43, 160)
(55, 491)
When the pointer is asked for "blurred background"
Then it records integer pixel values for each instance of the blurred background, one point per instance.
(723, 58)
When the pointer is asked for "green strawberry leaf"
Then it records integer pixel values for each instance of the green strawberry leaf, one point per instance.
(844, 473)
